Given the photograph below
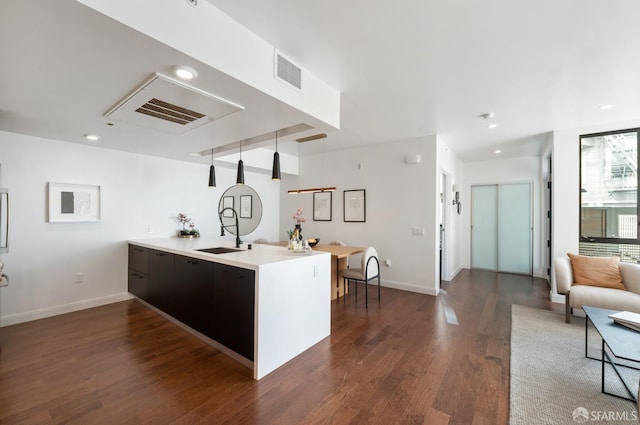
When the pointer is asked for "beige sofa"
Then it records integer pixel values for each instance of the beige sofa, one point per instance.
(615, 299)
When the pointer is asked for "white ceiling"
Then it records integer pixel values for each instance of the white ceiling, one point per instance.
(405, 69)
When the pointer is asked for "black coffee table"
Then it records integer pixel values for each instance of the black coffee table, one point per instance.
(618, 343)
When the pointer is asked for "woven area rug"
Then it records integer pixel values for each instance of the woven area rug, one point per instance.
(551, 380)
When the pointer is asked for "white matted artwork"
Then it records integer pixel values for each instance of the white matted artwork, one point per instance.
(355, 205)
(322, 206)
(73, 203)
(227, 202)
(245, 206)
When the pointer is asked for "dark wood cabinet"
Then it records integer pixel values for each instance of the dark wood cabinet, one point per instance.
(215, 299)
(138, 258)
(194, 293)
(233, 308)
(160, 273)
(138, 282)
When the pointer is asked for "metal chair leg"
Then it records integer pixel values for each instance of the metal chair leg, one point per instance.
(366, 294)
(344, 289)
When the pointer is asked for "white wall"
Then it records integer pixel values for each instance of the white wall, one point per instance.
(399, 197)
(566, 188)
(512, 170)
(137, 191)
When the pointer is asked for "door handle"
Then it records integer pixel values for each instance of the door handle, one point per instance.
(4, 278)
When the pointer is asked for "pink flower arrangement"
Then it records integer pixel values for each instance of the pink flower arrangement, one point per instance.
(183, 219)
(297, 216)
(186, 221)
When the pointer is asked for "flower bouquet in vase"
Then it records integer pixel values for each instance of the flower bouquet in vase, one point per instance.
(191, 232)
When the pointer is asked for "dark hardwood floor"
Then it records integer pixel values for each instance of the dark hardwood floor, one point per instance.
(400, 362)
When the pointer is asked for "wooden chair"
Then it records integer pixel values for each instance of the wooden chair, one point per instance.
(369, 270)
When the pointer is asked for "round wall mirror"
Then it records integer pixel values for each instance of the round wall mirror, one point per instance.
(240, 202)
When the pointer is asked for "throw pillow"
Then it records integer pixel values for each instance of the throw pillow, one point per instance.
(596, 271)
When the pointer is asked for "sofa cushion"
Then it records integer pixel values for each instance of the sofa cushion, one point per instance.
(596, 271)
(613, 299)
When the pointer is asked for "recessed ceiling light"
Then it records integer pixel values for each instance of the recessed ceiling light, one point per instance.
(92, 137)
(185, 72)
(492, 125)
(497, 151)
(605, 107)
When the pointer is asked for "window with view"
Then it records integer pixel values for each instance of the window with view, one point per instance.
(609, 187)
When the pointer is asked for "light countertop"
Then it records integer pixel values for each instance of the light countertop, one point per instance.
(260, 254)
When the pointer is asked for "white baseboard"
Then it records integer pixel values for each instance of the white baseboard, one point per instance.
(452, 275)
(407, 287)
(28, 316)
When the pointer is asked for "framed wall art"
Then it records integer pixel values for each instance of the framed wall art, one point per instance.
(322, 206)
(227, 202)
(355, 205)
(73, 203)
(245, 206)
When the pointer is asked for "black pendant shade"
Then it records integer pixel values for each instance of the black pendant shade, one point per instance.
(240, 178)
(275, 174)
(275, 171)
(212, 173)
(212, 176)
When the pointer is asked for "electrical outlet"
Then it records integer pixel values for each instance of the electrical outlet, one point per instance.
(150, 229)
(387, 262)
(418, 231)
(79, 277)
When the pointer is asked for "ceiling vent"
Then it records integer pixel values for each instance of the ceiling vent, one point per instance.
(171, 106)
(287, 71)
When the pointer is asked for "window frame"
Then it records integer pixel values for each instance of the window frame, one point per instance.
(607, 240)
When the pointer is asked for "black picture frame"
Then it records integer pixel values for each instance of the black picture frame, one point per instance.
(354, 205)
(228, 202)
(245, 206)
(322, 206)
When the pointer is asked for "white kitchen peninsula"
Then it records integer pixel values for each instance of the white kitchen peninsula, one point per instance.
(288, 292)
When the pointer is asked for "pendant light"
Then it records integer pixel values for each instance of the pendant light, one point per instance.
(275, 173)
(212, 173)
(240, 178)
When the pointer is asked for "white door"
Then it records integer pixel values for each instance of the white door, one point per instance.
(501, 228)
(514, 229)
(484, 227)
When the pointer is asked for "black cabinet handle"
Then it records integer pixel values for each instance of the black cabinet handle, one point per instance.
(159, 254)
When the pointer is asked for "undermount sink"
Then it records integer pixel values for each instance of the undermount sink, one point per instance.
(219, 250)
